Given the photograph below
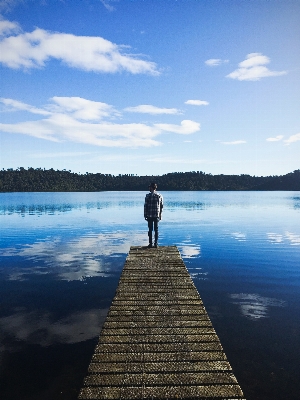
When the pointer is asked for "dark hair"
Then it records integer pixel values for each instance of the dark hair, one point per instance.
(153, 185)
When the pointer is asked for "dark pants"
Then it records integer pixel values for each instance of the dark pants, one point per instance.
(153, 223)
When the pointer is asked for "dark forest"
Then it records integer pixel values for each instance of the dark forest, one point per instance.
(42, 180)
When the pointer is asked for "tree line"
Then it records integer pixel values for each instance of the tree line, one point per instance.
(50, 180)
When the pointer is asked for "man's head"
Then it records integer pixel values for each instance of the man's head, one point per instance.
(152, 186)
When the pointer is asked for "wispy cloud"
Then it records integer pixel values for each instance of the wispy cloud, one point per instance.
(107, 4)
(253, 68)
(34, 49)
(8, 5)
(7, 27)
(214, 62)
(293, 139)
(77, 107)
(62, 127)
(83, 109)
(63, 154)
(275, 139)
(173, 160)
(185, 128)
(75, 119)
(234, 142)
(15, 105)
(197, 102)
(149, 109)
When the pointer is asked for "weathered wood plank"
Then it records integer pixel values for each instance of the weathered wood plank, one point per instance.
(158, 341)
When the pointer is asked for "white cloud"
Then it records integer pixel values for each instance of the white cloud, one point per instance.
(235, 142)
(7, 27)
(185, 128)
(275, 139)
(40, 129)
(213, 62)
(33, 50)
(149, 109)
(15, 105)
(253, 69)
(83, 109)
(62, 154)
(197, 102)
(254, 59)
(78, 120)
(77, 107)
(293, 138)
(60, 127)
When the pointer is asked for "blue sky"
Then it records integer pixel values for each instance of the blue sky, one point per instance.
(150, 87)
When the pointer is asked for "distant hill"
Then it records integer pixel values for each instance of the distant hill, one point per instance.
(42, 180)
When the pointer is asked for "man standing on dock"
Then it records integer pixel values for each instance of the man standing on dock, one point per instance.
(152, 212)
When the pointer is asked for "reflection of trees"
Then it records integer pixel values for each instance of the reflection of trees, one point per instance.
(42, 180)
(36, 209)
(296, 202)
(187, 205)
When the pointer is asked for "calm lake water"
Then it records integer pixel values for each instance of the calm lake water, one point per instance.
(62, 255)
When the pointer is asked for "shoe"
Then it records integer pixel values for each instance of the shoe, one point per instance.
(155, 245)
(149, 245)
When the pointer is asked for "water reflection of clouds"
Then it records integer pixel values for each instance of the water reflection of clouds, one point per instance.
(195, 274)
(188, 249)
(36, 328)
(254, 306)
(293, 238)
(74, 259)
(241, 237)
(274, 237)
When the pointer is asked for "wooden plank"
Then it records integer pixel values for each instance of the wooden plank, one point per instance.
(157, 341)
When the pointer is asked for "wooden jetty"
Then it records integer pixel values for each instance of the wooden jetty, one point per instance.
(157, 341)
